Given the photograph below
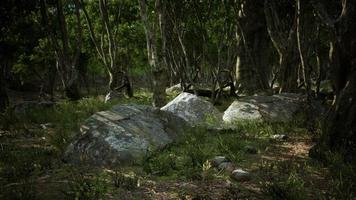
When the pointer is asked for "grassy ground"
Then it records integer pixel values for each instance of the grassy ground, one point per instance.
(31, 146)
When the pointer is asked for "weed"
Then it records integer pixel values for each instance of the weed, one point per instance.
(343, 176)
(124, 180)
(282, 181)
(83, 186)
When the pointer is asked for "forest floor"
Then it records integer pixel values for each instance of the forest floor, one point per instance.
(31, 147)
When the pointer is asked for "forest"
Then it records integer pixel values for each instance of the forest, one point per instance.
(167, 99)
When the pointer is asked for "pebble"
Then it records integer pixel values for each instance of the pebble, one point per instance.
(226, 166)
(251, 150)
(279, 137)
(240, 175)
(217, 160)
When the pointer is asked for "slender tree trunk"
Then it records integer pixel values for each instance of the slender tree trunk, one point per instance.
(284, 41)
(66, 58)
(118, 77)
(4, 99)
(156, 62)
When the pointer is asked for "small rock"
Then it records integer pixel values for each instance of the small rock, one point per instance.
(46, 126)
(251, 150)
(113, 95)
(217, 160)
(279, 137)
(240, 175)
(226, 166)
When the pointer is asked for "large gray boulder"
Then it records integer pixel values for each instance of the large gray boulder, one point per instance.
(277, 108)
(174, 88)
(193, 109)
(126, 134)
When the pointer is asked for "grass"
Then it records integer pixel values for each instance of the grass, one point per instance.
(29, 152)
(187, 159)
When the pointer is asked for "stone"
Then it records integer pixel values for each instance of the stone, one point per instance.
(27, 106)
(194, 110)
(226, 166)
(174, 88)
(240, 175)
(239, 111)
(47, 126)
(113, 95)
(279, 137)
(124, 135)
(277, 108)
(217, 160)
(251, 150)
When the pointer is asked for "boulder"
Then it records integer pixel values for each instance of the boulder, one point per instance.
(276, 108)
(174, 88)
(113, 95)
(126, 134)
(239, 110)
(28, 106)
(193, 109)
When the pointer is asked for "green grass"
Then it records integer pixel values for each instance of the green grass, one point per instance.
(185, 160)
(29, 151)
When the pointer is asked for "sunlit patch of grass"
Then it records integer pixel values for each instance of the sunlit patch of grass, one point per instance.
(187, 158)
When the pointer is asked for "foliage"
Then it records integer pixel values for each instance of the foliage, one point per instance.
(283, 181)
(83, 186)
(343, 177)
(187, 159)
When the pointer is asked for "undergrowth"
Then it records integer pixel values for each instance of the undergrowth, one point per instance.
(188, 158)
(33, 142)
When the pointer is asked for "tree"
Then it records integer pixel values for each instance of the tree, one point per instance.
(4, 99)
(339, 127)
(281, 26)
(156, 56)
(108, 47)
(67, 53)
(253, 66)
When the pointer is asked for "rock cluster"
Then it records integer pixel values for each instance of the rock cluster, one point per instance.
(224, 164)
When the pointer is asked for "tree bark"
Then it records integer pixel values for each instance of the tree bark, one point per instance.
(253, 69)
(66, 58)
(118, 76)
(4, 99)
(339, 128)
(156, 62)
(284, 41)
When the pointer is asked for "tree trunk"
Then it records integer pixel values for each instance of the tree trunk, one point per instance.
(67, 58)
(288, 67)
(281, 30)
(339, 128)
(156, 62)
(159, 88)
(4, 99)
(253, 69)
